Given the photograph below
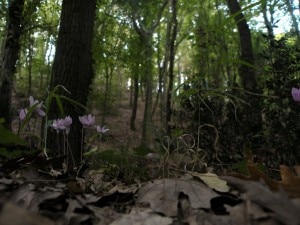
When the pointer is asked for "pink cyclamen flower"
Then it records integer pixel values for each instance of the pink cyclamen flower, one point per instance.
(38, 105)
(67, 122)
(62, 124)
(22, 114)
(58, 124)
(296, 94)
(101, 130)
(87, 120)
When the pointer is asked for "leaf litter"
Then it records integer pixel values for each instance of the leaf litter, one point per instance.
(29, 196)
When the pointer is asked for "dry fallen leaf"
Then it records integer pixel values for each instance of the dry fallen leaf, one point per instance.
(290, 182)
(138, 217)
(213, 181)
(14, 215)
(163, 194)
(282, 208)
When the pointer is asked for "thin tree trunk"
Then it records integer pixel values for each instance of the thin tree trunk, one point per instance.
(147, 121)
(134, 102)
(164, 72)
(146, 36)
(9, 57)
(251, 113)
(268, 23)
(29, 62)
(294, 18)
(246, 72)
(171, 66)
(108, 74)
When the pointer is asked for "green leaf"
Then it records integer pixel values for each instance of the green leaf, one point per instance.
(10, 154)
(240, 11)
(7, 137)
(59, 104)
(72, 101)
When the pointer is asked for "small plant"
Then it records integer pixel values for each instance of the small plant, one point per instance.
(63, 125)
(88, 122)
(60, 125)
(25, 114)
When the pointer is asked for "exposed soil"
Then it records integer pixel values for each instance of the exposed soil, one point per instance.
(118, 123)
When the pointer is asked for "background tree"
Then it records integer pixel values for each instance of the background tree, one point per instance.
(9, 56)
(145, 18)
(251, 111)
(72, 67)
(109, 50)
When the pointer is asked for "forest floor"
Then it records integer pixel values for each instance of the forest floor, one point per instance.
(118, 123)
(155, 190)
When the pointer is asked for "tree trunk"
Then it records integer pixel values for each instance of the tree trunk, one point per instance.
(171, 66)
(9, 57)
(294, 18)
(246, 72)
(29, 58)
(164, 74)
(134, 102)
(146, 35)
(268, 23)
(72, 67)
(251, 112)
(147, 121)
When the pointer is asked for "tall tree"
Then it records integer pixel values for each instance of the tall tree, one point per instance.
(290, 8)
(146, 17)
(247, 73)
(9, 57)
(174, 28)
(269, 22)
(72, 67)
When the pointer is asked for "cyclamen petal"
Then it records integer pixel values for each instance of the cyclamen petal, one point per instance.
(87, 120)
(296, 94)
(38, 106)
(67, 121)
(62, 124)
(22, 114)
(58, 124)
(41, 112)
(101, 130)
(32, 101)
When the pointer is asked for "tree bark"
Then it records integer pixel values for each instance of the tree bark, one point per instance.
(134, 102)
(9, 57)
(251, 112)
(72, 67)
(171, 66)
(147, 120)
(246, 72)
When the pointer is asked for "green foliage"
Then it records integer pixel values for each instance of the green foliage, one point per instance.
(7, 137)
(118, 164)
(242, 167)
(282, 73)
(10, 154)
(141, 151)
(10, 143)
